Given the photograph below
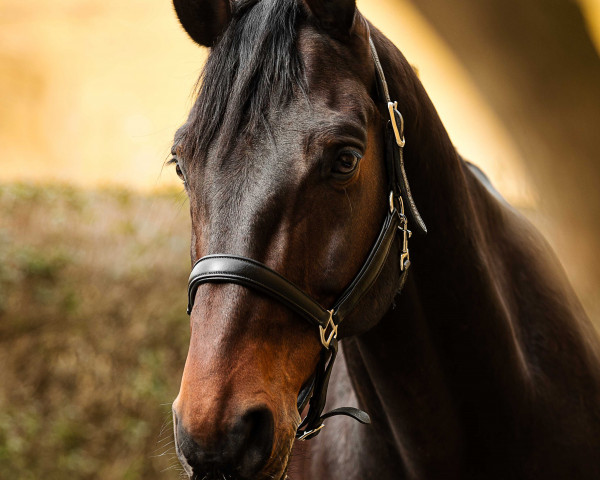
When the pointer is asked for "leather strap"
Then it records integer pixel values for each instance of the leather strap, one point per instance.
(394, 153)
(371, 269)
(250, 273)
(313, 422)
(244, 271)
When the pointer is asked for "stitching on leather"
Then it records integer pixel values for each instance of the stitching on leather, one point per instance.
(245, 260)
(198, 279)
(254, 263)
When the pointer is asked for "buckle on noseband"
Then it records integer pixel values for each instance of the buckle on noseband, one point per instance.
(323, 331)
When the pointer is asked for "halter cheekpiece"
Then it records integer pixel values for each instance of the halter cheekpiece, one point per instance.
(224, 268)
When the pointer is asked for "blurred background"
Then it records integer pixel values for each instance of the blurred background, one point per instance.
(94, 232)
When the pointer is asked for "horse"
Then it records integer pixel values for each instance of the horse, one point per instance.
(480, 363)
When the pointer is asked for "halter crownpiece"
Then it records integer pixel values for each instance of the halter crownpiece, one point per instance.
(223, 268)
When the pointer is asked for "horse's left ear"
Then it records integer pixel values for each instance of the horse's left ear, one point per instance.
(335, 16)
(203, 20)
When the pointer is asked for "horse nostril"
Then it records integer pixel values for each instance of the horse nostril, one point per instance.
(242, 451)
(251, 441)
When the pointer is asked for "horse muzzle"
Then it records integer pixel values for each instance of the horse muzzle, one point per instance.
(240, 452)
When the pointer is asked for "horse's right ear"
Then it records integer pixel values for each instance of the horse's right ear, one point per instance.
(203, 20)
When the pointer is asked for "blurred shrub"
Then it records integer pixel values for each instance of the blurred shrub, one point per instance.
(93, 331)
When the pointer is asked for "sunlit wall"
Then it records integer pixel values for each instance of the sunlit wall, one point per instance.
(92, 91)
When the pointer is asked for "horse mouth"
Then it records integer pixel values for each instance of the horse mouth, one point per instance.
(221, 475)
(224, 476)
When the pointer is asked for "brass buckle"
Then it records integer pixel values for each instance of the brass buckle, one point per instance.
(406, 234)
(310, 432)
(332, 334)
(398, 132)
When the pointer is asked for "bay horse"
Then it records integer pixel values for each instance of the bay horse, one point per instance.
(478, 364)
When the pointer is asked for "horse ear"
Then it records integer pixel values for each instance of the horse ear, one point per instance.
(203, 20)
(334, 16)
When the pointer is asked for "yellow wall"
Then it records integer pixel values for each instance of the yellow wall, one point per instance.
(92, 92)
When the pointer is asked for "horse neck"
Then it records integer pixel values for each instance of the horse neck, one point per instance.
(447, 350)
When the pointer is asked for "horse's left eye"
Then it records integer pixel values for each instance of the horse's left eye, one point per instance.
(178, 171)
(346, 163)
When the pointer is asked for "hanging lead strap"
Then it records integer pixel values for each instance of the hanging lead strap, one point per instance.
(313, 422)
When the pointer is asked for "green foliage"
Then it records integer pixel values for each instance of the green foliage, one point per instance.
(93, 331)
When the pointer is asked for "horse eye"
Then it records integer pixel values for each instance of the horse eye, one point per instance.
(346, 163)
(178, 170)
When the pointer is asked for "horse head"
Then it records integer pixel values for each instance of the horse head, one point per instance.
(283, 160)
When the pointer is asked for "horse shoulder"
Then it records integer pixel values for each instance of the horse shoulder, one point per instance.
(559, 342)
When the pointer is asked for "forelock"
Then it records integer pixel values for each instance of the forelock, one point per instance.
(253, 68)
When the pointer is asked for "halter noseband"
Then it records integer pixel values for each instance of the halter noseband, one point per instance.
(223, 268)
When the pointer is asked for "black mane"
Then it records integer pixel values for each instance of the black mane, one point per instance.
(253, 68)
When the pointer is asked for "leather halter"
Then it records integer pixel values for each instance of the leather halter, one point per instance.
(223, 268)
